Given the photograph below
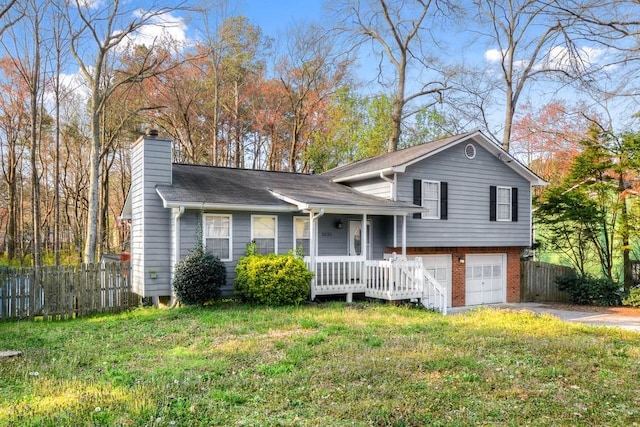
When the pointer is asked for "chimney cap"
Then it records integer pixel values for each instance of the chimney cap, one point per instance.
(153, 132)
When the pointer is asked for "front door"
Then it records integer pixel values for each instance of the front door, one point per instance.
(355, 238)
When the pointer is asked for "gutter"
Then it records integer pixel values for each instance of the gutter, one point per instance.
(373, 174)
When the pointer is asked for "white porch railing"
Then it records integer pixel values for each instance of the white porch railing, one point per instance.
(392, 279)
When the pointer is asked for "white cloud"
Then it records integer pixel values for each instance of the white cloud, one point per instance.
(560, 58)
(493, 55)
(162, 27)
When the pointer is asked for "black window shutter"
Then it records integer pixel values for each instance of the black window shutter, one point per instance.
(492, 203)
(417, 196)
(514, 204)
(444, 200)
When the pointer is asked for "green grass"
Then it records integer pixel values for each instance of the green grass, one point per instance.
(332, 364)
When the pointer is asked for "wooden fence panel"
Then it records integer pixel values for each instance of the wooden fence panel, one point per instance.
(538, 281)
(65, 292)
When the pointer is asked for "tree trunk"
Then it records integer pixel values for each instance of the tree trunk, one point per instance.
(89, 255)
(398, 105)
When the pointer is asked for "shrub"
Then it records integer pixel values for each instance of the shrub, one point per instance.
(198, 277)
(588, 290)
(633, 299)
(272, 279)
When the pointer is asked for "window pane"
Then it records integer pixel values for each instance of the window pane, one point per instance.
(304, 244)
(432, 208)
(504, 195)
(264, 227)
(218, 247)
(217, 226)
(302, 228)
(430, 190)
(265, 246)
(504, 212)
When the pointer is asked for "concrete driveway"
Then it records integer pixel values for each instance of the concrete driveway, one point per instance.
(587, 317)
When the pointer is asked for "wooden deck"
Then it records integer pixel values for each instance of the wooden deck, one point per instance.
(394, 279)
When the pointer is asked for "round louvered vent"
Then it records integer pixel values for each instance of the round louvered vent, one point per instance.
(470, 151)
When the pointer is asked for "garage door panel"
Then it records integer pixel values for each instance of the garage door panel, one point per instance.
(485, 279)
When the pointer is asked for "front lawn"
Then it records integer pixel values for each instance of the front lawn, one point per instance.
(320, 365)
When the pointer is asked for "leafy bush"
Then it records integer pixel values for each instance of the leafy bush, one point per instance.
(588, 290)
(633, 299)
(198, 277)
(272, 279)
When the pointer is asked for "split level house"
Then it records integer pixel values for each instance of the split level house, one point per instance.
(445, 222)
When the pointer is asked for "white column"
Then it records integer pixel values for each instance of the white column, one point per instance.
(312, 253)
(404, 235)
(365, 237)
(395, 231)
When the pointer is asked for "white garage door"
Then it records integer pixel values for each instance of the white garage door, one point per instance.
(485, 279)
(439, 266)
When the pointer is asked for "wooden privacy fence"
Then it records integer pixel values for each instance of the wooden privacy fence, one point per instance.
(65, 292)
(538, 281)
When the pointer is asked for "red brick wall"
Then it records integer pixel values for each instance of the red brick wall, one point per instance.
(458, 273)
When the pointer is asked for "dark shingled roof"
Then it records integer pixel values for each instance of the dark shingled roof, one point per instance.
(208, 185)
(394, 159)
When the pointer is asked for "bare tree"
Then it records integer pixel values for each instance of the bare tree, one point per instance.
(104, 28)
(400, 33)
(556, 43)
(27, 59)
(9, 15)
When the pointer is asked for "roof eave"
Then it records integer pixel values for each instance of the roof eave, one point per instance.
(371, 174)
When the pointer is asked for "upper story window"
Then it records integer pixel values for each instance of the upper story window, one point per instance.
(431, 195)
(503, 203)
(431, 199)
(301, 234)
(264, 233)
(217, 235)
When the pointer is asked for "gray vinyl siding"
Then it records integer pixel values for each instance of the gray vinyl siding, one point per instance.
(468, 201)
(375, 187)
(150, 222)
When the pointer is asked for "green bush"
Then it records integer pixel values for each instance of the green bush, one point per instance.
(272, 279)
(198, 277)
(588, 290)
(633, 299)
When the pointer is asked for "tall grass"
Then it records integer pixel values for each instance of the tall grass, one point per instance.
(332, 364)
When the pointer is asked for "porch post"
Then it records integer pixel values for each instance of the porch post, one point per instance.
(395, 231)
(312, 254)
(365, 237)
(404, 235)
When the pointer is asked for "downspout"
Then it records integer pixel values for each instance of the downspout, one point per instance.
(176, 253)
(313, 248)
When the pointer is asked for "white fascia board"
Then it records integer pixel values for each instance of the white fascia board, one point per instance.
(372, 174)
(369, 210)
(301, 206)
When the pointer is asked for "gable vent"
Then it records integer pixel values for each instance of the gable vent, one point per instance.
(470, 151)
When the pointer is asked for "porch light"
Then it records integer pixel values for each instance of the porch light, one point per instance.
(339, 224)
(461, 259)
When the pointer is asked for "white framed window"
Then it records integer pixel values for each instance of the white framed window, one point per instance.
(217, 235)
(431, 199)
(503, 204)
(264, 232)
(301, 234)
